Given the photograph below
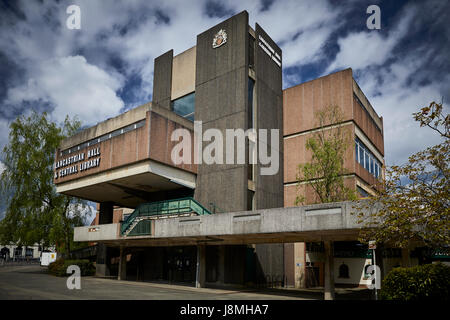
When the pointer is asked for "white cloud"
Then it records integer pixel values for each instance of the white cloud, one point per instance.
(2, 167)
(359, 50)
(301, 28)
(74, 87)
(395, 99)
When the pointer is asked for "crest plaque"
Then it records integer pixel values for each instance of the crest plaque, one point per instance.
(220, 38)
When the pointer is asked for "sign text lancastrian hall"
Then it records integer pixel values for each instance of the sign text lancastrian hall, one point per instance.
(70, 165)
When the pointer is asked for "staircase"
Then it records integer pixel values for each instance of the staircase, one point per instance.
(162, 210)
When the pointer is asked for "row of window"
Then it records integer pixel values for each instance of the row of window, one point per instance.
(104, 137)
(367, 159)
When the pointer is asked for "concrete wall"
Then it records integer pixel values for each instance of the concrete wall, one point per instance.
(183, 73)
(162, 80)
(97, 233)
(269, 111)
(122, 120)
(314, 222)
(301, 102)
(152, 141)
(221, 102)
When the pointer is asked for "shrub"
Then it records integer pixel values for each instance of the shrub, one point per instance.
(424, 282)
(59, 267)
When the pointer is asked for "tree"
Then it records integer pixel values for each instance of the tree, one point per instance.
(325, 172)
(413, 203)
(35, 212)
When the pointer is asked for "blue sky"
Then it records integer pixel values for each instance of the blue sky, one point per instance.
(106, 67)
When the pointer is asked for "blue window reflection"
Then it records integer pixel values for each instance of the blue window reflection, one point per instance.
(366, 158)
(185, 106)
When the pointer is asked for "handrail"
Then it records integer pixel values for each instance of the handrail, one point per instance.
(173, 206)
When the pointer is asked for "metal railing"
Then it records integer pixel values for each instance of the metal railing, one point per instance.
(163, 208)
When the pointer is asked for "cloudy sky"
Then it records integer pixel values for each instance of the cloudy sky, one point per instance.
(106, 67)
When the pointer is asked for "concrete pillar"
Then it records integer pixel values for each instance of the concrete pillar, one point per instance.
(329, 271)
(106, 212)
(201, 266)
(103, 261)
(122, 265)
(300, 264)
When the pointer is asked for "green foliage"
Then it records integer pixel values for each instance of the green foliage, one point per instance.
(425, 282)
(35, 212)
(325, 172)
(414, 201)
(59, 267)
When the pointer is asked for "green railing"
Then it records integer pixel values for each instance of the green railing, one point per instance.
(166, 207)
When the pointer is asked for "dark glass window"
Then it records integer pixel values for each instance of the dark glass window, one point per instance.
(361, 155)
(364, 157)
(251, 51)
(185, 106)
(251, 85)
(343, 271)
(28, 252)
(362, 192)
(250, 196)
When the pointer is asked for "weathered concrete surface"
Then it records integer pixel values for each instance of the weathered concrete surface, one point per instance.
(94, 233)
(332, 221)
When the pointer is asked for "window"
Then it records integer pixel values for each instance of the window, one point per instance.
(365, 158)
(361, 154)
(250, 199)
(362, 192)
(251, 85)
(343, 271)
(251, 51)
(371, 165)
(29, 252)
(185, 106)
(104, 138)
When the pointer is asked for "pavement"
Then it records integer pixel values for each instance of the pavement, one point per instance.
(32, 282)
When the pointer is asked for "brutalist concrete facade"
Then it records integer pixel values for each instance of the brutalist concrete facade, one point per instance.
(221, 102)
(136, 164)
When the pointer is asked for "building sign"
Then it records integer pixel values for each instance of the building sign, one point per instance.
(269, 50)
(220, 38)
(71, 165)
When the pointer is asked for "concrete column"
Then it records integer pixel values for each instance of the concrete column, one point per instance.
(122, 265)
(106, 212)
(329, 271)
(201, 266)
(102, 263)
(300, 264)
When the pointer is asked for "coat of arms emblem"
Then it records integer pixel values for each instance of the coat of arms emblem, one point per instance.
(220, 38)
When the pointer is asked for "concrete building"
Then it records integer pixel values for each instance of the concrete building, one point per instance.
(363, 164)
(213, 223)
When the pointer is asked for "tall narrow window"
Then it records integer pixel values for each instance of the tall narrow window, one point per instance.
(250, 124)
(250, 200)
(251, 85)
(251, 51)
